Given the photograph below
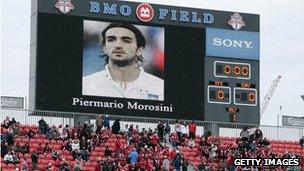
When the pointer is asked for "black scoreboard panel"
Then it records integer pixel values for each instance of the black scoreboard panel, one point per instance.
(208, 59)
(242, 91)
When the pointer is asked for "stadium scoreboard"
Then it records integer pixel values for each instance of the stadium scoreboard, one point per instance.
(208, 60)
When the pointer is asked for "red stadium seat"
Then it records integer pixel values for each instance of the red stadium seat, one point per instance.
(3, 165)
(94, 163)
(123, 141)
(195, 149)
(65, 152)
(18, 140)
(88, 164)
(89, 168)
(42, 156)
(26, 126)
(51, 161)
(39, 161)
(41, 167)
(26, 155)
(36, 145)
(196, 163)
(10, 166)
(298, 151)
(98, 149)
(32, 141)
(48, 156)
(103, 148)
(42, 136)
(57, 147)
(45, 161)
(53, 142)
(25, 140)
(46, 141)
(40, 140)
(20, 155)
(193, 153)
(95, 154)
(29, 160)
(69, 157)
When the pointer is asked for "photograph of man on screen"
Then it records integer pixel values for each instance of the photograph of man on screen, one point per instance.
(123, 46)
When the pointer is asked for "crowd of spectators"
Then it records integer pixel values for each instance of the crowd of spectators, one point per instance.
(214, 155)
(145, 149)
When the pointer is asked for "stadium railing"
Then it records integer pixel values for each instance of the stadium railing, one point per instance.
(31, 117)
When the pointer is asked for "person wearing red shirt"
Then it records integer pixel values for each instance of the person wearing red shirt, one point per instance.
(174, 139)
(141, 154)
(149, 165)
(173, 154)
(24, 166)
(302, 162)
(142, 164)
(230, 163)
(50, 167)
(123, 169)
(117, 147)
(136, 137)
(157, 149)
(122, 160)
(154, 141)
(132, 167)
(145, 164)
(98, 166)
(57, 162)
(192, 129)
(239, 168)
(166, 151)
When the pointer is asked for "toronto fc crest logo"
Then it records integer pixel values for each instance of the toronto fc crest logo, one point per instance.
(236, 21)
(64, 6)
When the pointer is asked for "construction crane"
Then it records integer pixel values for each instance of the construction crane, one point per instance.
(269, 95)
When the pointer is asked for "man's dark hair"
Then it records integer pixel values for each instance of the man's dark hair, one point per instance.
(140, 39)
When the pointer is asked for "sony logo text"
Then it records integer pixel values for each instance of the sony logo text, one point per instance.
(233, 43)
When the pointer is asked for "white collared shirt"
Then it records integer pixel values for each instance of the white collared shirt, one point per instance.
(101, 83)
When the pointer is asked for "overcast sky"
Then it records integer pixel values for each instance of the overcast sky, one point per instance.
(281, 48)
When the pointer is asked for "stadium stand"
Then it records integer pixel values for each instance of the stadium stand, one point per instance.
(44, 147)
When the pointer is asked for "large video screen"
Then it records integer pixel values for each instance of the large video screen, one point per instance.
(123, 68)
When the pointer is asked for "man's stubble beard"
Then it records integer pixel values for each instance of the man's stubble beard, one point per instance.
(125, 63)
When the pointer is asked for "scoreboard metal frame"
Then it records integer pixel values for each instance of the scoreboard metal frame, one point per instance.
(197, 41)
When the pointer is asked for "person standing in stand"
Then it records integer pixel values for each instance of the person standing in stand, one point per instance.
(160, 130)
(192, 129)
